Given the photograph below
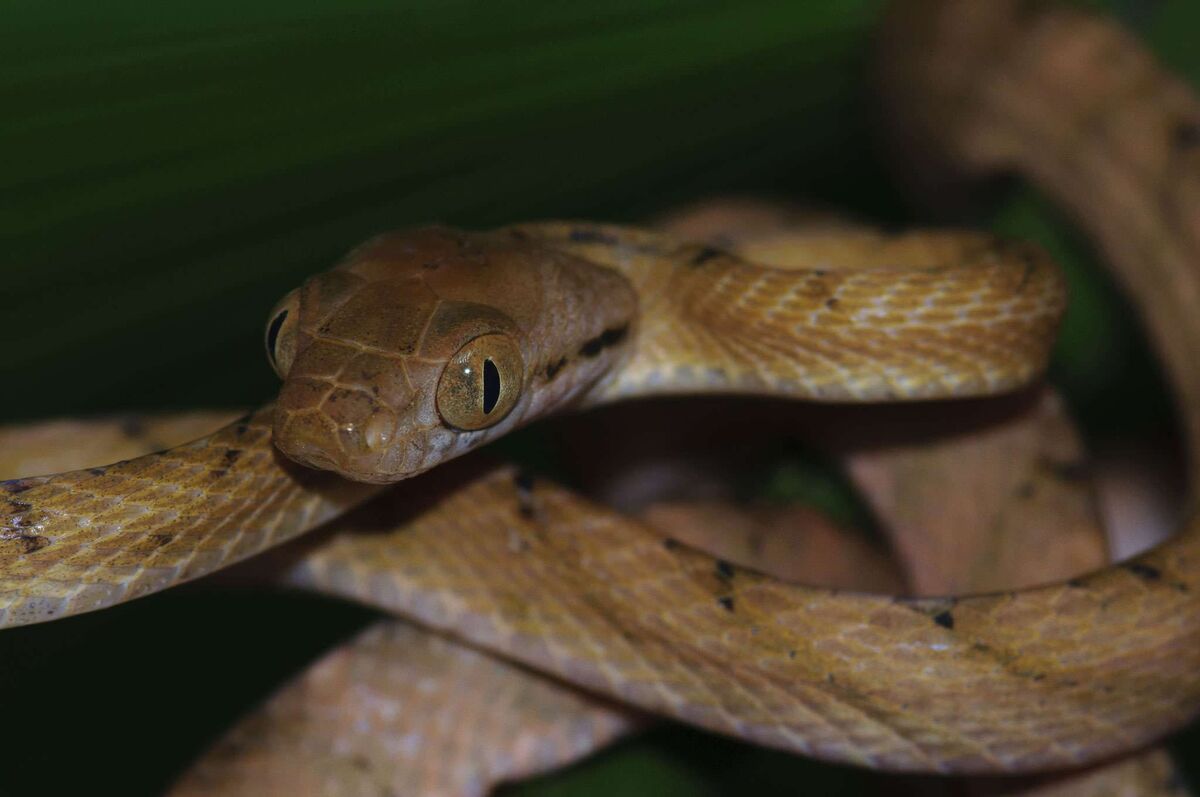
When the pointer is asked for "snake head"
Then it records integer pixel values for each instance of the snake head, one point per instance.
(416, 348)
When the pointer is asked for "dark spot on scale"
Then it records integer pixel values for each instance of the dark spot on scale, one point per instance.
(726, 602)
(944, 619)
(97, 471)
(553, 368)
(585, 235)
(160, 540)
(1076, 583)
(831, 303)
(523, 481)
(705, 254)
(670, 543)
(1186, 135)
(241, 429)
(1144, 571)
(791, 654)
(607, 338)
(16, 486)
(32, 542)
(231, 455)
(360, 762)
(132, 426)
(724, 570)
(16, 506)
(820, 272)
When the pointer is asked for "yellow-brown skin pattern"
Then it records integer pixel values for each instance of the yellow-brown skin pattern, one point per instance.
(1034, 679)
(402, 711)
(1086, 669)
(603, 312)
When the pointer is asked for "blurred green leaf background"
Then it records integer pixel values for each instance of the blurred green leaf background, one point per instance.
(169, 170)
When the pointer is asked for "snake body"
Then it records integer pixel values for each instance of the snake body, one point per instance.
(576, 315)
(841, 676)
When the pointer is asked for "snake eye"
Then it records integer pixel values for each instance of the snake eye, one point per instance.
(481, 383)
(281, 333)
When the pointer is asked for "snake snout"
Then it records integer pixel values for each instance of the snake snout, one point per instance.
(346, 430)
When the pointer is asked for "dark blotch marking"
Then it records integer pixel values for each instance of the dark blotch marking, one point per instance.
(217, 473)
(726, 602)
(705, 254)
(31, 542)
(1186, 135)
(609, 337)
(97, 471)
(160, 540)
(831, 303)
(1146, 572)
(241, 429)
(820, 272)
(724, 570)
(231, 455)
(16, 486)
(670, 543)
(1076, 583)
(18, 506)
(583, 235)
(791, 654)
(553, 368)
(132, 426)
(523, 481)
(944, 619)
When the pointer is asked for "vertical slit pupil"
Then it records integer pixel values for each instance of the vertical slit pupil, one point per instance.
(491, 386)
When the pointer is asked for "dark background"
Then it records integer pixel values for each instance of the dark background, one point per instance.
(169, 170)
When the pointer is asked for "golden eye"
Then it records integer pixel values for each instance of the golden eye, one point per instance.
(281, 333)
(481, 383)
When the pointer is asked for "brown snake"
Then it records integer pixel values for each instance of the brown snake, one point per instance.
(582, 314)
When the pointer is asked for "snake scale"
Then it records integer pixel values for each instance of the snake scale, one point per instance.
(426, 344)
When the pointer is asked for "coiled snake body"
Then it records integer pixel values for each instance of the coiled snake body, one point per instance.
(424, 345)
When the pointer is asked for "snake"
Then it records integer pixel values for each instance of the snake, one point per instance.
(426, 344)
